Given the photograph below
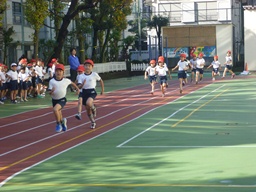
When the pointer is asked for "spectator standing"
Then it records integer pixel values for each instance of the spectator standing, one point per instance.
(74, 63)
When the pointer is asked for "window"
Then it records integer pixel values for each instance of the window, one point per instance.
(16, 12)
(172, 10)
(207, 11)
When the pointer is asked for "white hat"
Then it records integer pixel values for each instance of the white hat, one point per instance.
(13, 64)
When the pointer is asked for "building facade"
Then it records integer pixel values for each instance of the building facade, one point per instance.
(209, 26)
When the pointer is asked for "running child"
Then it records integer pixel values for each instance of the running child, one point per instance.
(193, 67)
(161, 71)
(2, 83)
(58, 90)
(182, 66)
(215, 67)
(200, 62)
(150, 73)
(80, 72)
(228, 65)
(88, 83)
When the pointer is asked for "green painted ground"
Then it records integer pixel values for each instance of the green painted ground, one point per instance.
(204, 141)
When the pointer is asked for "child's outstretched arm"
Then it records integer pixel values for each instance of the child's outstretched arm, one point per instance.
(76, 87)
(102, 87)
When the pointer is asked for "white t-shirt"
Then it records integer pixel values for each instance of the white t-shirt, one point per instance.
(199, 62)
(13, 74)
(151, 70)
(193, 63)
(2, 77)
(39, 71)
(161, 71)
(60, 88)
(182, 65)
(91, 80)
(215, 64)
(228, 60)
(23, 76)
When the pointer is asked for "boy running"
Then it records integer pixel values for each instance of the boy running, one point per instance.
(88, 83)
(80, 71)
(200, 62)
(58, 90)
(229, 65)
(150, 73)
(183, 66)
(162, 71)
(215, 67)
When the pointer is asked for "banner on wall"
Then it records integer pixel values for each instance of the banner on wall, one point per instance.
(175, 52)
(208, 51)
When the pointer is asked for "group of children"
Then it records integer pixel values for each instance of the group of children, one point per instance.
(196, 64)
(85, 88)
(23, 80)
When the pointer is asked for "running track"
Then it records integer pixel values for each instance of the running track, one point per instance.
(30, 137)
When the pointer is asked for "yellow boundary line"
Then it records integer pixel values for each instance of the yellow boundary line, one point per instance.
(74, 138)
(131, 185)
(195, 110)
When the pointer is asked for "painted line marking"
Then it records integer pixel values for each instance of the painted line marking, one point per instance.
(170, 116)
(195, 110)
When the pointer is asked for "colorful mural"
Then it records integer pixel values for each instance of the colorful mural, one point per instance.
(175, 52)
(209, 51)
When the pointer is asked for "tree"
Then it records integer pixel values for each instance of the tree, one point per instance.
(127, 42)
(36, 12)
(2, 10)
(74, 8)
(108, 17)
(158, 22)
(7, 40)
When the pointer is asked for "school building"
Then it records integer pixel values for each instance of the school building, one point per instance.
(209, 26)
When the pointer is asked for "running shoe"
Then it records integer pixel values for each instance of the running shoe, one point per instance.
(233, 75)
(58, 128)
(78, 116)
(93, 125)
(64, 124)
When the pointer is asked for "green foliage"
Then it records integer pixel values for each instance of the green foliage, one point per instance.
(157, 22)
(2, 10)
(36, 12)
(135, 28)
(7, 39)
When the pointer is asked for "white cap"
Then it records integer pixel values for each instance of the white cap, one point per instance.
(14, 64)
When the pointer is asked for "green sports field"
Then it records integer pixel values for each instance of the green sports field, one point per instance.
(202, 141)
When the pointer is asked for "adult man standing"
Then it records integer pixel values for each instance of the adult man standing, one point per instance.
(74, 63)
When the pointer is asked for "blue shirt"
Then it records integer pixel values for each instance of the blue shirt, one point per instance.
(73, 62)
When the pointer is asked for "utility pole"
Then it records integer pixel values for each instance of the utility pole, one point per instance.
(139, 27)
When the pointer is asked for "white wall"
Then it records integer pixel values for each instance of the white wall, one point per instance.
(224, 41)
(250, 39)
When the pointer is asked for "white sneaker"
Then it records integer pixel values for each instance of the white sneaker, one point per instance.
(93, 125)
(1, 102)
(213, 79)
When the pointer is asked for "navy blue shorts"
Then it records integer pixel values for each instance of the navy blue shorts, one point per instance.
(193, 70)
(80, 94)
(14, 85)
(215, 70)
(229, 67)
(62, 102)
(201, 71)
(39, 80)
(182, 75)
(163, 79)
(152, 78)
(24, 85)
(87, 93)
(3, 86)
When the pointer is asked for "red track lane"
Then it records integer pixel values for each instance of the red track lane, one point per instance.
(30, 137)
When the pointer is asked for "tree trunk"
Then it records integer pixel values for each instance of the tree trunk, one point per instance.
(94, 44)
(159, 42)
(103, 50)
(36, 43)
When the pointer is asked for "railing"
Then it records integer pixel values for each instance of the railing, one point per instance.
(101, 68)
(139, 66)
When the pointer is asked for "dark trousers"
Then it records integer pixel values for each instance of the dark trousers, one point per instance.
(73, 74)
